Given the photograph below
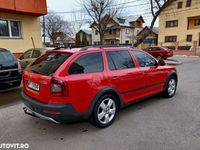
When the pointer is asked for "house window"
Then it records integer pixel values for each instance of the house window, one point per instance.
(172, 23)
(189, 38)
(188, 3)
(4, 30)
(10, 29)
(170, 38)
(127, 31)
(127, 42)
(96, 32)
(114, 31)
(112, 42)
(180, 5)
(197, 22)
(110, 32)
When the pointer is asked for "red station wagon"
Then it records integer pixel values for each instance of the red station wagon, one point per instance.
(93, 83)
(159, 52)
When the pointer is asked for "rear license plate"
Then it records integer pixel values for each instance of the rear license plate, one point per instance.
(33, 86)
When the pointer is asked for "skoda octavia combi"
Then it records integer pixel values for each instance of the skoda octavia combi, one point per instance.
(93, 83)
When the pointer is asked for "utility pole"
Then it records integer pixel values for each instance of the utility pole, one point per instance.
(44, 34)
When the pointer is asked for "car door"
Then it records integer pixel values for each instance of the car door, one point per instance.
(25, 58)
(86, 78)
(124, 75)
(155, 52)
(154, 75)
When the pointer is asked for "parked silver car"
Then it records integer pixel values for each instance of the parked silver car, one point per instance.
(31, 55)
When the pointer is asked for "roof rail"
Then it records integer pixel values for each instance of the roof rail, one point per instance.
(106, 46)
(59, 48)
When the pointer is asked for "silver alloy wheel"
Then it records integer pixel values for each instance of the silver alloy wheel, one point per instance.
(172, 87)
(106, 111)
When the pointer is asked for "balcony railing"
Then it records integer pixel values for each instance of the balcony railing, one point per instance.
(111, 36)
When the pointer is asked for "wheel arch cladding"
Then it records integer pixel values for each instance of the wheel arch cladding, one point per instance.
(104, 91)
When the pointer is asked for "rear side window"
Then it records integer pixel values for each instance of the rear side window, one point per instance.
(49, 63)
(6, 56)
(119, 60)
(144, 59)
(155, 49)
(88, 63)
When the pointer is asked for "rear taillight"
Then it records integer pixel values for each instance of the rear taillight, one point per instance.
(19, 67)
(58, 88)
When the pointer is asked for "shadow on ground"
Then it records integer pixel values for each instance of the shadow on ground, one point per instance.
(9, 95)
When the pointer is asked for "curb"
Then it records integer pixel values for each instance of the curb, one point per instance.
(173, 62)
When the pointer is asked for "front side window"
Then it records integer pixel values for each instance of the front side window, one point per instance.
(144, 59)
(88, 63)
(119, 60)
(6, 56)
(10, 29)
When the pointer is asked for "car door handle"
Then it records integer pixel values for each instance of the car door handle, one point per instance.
(115, 77)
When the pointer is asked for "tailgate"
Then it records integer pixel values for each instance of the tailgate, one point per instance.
(41, 94)
(37, 77)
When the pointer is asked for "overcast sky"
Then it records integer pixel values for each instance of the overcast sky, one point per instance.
(62, 5)
(72, 5)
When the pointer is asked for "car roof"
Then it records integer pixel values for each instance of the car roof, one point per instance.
(3, 49)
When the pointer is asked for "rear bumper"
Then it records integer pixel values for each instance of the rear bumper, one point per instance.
(67, 112)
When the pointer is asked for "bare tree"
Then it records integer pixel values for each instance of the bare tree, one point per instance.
(56, 27)
(101, 12)
(77, 21)
(156, 8)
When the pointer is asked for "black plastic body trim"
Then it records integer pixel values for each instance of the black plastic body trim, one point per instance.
(68, 113)
(141, 88)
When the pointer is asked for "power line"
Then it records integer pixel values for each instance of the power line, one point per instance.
(82, 10)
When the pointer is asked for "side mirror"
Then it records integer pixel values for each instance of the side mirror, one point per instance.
(161, 62)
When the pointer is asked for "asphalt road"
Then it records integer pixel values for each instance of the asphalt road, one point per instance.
(154, 124)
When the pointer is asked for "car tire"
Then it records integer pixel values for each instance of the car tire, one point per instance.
(105, 111)
(171, 86)
(16, 84)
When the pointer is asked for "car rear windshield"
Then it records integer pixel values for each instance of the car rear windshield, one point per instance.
(6, 56)
(49, 63)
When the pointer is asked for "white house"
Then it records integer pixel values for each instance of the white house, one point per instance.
(119, 31)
